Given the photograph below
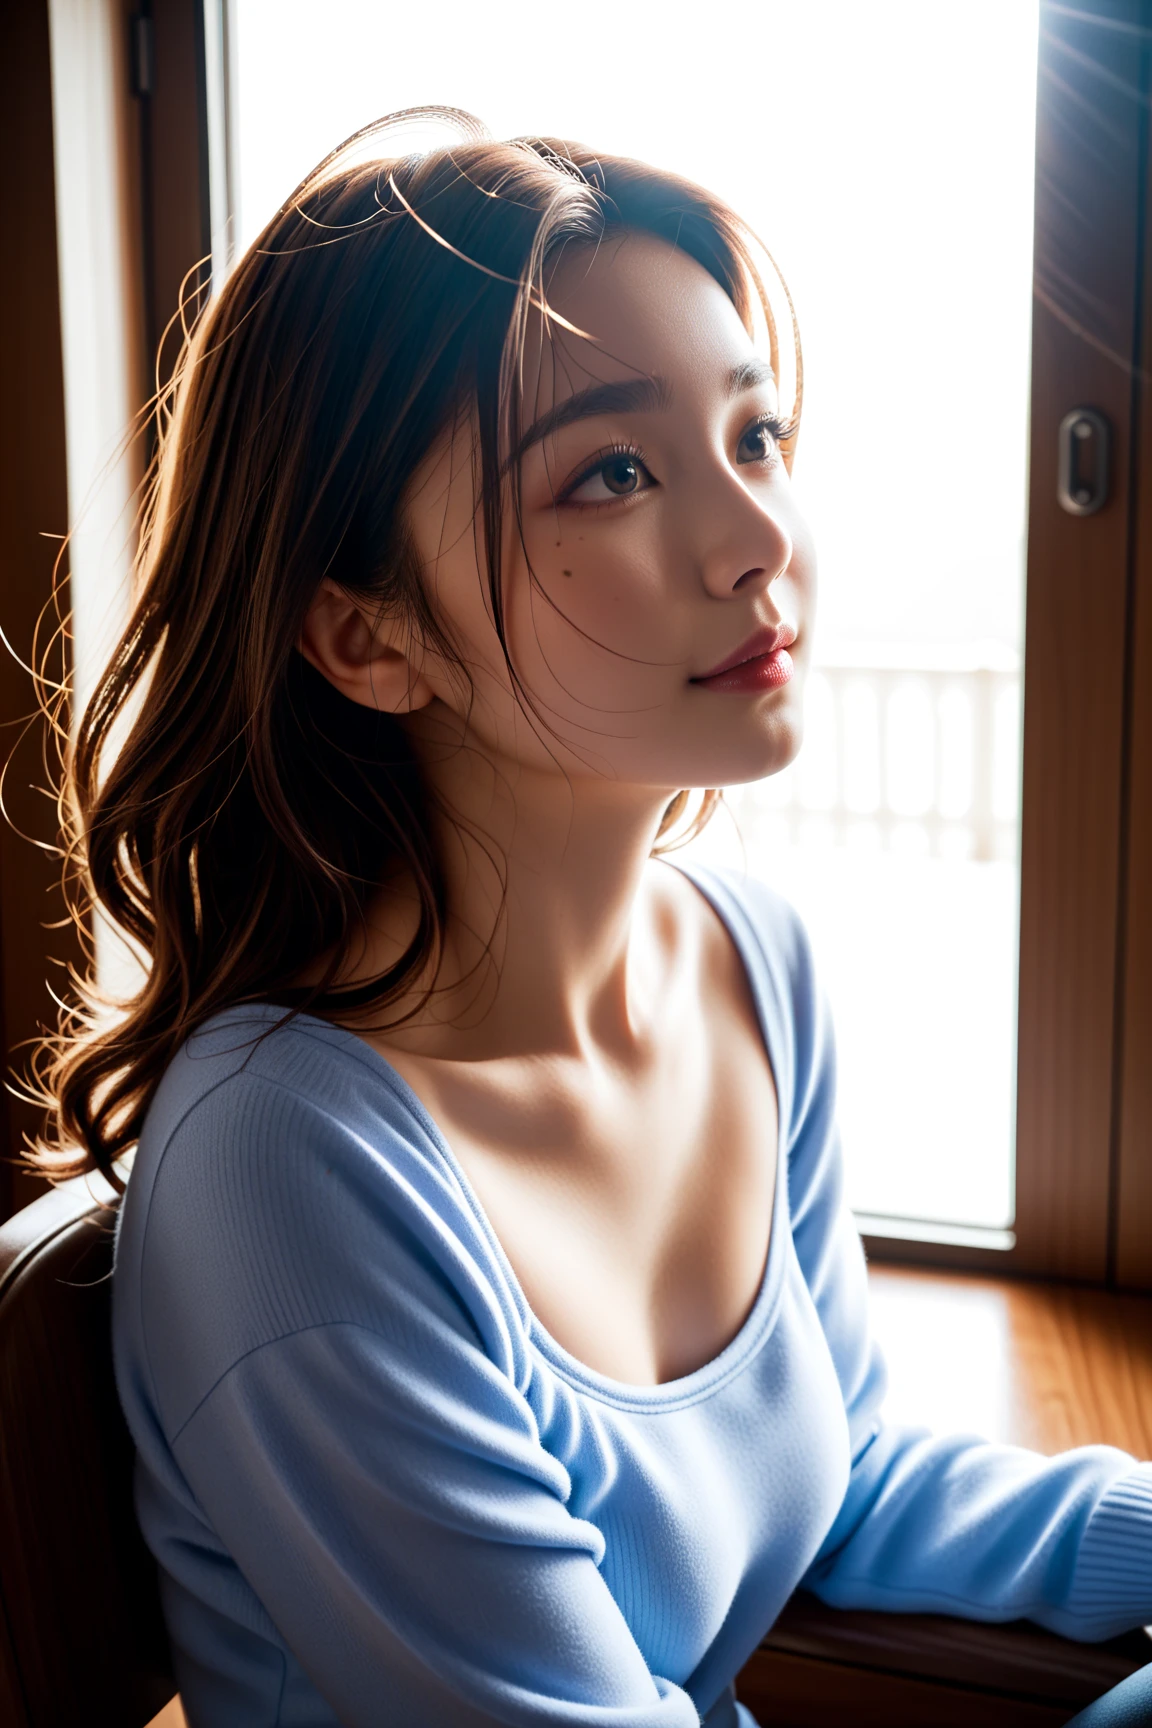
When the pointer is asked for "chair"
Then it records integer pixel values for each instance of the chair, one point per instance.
(82, 1642)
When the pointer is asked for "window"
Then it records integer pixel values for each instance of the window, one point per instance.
(887, 156)
(905, 233)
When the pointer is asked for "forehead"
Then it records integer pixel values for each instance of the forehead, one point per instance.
(643, 307)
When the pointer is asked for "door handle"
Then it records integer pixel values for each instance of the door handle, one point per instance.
(1082, 469)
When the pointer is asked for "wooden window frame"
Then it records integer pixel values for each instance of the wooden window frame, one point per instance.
(1131, 1237)
(1084, 1064)
(33, 506)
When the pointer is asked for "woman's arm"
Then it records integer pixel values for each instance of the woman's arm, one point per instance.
(948, 1524)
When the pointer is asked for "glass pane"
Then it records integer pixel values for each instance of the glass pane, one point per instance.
(884, 153)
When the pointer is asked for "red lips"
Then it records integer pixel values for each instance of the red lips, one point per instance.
(766, 641)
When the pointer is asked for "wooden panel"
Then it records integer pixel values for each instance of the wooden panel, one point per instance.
(33, 515)
(34, 506)
(177, 205)
(106, 371)
(1133, 1221)
(786, 1690)
(1017, 1660)
(1088, 175)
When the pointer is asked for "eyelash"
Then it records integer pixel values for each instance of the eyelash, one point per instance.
(781, 430)
(594, 465)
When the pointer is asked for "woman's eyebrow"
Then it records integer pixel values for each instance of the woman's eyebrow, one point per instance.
(620, 396)
(749, 375)
(629, 395)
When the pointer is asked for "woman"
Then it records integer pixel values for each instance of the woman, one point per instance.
(488, 1315)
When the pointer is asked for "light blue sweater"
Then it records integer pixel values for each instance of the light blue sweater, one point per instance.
(382, 1496)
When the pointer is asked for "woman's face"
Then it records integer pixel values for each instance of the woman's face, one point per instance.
(660, 525)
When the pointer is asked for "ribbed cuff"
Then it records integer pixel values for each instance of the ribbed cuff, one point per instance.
(1112, 1586)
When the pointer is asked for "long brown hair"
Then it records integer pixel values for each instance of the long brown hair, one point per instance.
(219, 792)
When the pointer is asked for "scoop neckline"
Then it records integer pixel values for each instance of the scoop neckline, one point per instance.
(758, 1323)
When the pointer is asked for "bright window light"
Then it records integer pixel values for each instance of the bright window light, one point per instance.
(885, 155)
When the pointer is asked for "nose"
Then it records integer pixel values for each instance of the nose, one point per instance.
(742, 539)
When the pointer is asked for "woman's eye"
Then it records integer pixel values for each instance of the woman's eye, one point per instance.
(757, 444)
(616, 477)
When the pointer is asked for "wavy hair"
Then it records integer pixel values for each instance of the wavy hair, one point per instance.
(218, 790)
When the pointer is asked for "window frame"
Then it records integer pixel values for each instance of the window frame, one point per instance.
(33, 508)
(1084, 1111)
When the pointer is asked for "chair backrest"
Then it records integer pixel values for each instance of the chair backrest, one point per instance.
(81, 1635)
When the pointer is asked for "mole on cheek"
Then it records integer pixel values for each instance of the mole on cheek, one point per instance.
(565, 572)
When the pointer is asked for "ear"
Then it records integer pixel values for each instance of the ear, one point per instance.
(368, 665)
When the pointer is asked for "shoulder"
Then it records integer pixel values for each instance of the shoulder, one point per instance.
(255, 1105)
(775, 946)
(769, 932)
(258, 1044)
(770, 920)
(284, 1181)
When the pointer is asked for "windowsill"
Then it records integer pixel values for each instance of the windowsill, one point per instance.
(982, 1236)
(1041, 1365)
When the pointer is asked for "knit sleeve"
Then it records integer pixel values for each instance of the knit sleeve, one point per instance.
(339, 1389)
(951, 1524)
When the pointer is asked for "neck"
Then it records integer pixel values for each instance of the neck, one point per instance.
(570, 963)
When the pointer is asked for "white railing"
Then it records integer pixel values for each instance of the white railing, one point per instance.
(905, 749)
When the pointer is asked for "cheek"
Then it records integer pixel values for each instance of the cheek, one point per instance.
(459, 594)
(601, 598)
(600, 636)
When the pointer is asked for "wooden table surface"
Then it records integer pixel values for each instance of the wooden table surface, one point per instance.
(1042, 1365)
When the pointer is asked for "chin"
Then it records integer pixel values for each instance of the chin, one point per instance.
(779, 747)
(775, 764)
(758, 758)
(775, 747)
